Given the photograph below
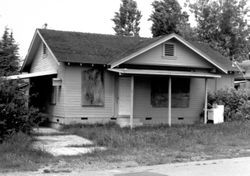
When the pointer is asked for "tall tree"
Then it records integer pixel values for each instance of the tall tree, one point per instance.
(222, 24)
(9, 60)
(127, 20)
(167, 17)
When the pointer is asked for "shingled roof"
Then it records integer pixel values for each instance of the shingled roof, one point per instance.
(77, 47)
(91, 48)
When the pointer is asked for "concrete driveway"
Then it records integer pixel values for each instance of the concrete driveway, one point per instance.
(224, 167)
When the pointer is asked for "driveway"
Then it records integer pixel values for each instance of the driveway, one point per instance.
(224, 167)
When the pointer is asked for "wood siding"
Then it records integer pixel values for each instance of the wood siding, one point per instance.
(47, 63)
(225, 82)
(143, 107)
(57, 111)
(43, 62)
(184, 57)
(74, 111)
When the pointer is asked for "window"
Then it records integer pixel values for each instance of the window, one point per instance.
(180, 92)
(92, 87)
(168, 49)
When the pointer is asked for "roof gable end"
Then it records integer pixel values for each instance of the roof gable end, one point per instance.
(165, 39)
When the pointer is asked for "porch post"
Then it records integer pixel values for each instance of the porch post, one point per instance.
(205, 108)
(132, 102)
(169, 100)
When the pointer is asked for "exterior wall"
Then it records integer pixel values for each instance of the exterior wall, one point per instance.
(226, 81)
(57, 111)
(47, 63)
(74, 111)
(43, 63)
(184, 57)
(143, 107)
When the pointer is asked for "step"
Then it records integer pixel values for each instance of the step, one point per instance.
(125, 122)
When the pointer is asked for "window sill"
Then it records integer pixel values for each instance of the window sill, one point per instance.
(169, 57)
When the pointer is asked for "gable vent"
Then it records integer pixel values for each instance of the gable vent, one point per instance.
(168, 49)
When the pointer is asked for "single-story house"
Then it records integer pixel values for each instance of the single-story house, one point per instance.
(89, 78)
(242, 81)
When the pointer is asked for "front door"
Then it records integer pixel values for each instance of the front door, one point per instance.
(124, 96)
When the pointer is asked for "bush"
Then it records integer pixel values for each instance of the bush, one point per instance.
(234, 102)
(15, 115)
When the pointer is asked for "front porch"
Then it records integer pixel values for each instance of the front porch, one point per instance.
(143, 96)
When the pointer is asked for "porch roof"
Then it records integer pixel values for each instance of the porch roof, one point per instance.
(164, 72)
(30, 75)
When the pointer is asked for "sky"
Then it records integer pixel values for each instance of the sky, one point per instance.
(94, 16)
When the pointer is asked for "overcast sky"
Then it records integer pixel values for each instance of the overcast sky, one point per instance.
(24, 16)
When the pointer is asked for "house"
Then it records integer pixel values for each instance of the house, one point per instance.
(242, 81)
(89, 78)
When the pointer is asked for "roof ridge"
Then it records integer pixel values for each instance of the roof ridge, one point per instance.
(111, 35)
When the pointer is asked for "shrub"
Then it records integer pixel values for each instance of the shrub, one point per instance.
(15, 115)
(233, 100)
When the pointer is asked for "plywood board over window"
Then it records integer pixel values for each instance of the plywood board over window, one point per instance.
(180, 92)
(92, 87)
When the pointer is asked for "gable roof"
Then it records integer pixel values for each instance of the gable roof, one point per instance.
(91, 48)
(77, 47)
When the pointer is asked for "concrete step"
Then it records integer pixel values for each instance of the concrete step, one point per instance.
(125, 122)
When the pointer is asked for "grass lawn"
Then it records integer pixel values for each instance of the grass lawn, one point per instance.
(142, 146)
(161, 144)
(17, 154)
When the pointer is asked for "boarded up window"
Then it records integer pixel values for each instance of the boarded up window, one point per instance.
(180, 92)
(92, 87)
(168, 49)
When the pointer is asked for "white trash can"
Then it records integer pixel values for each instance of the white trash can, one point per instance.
(216, 114)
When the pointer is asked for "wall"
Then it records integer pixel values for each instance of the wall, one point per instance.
(226, 81)
(43, 63)
(74, 111)
(143, 107)
(47, 63)
(184, 57)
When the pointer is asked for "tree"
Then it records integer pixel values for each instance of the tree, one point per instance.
(166, 17)
(221, 24)
(9, 60)
(127, 20)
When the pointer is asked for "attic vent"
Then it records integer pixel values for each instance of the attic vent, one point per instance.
(44, 49)
(168, 49)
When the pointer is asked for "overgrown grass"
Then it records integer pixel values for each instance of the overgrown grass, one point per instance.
(16, 153)
(161, 144)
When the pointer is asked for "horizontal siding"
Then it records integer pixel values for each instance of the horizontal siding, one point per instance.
(225, 82)
(143, 107)
(43, 63)
(73, 107)
(184, 57)
(58, 110)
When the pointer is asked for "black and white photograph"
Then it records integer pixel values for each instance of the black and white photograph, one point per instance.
(125, 88)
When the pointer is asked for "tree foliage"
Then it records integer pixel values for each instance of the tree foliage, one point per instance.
(9, 60)
(222, 24)
(15, 114)
(167, 17)
(127, 20)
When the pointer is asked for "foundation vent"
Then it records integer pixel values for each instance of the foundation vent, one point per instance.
(148, 118)
(84, 118)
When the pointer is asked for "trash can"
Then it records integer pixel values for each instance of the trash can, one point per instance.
(216, 114)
